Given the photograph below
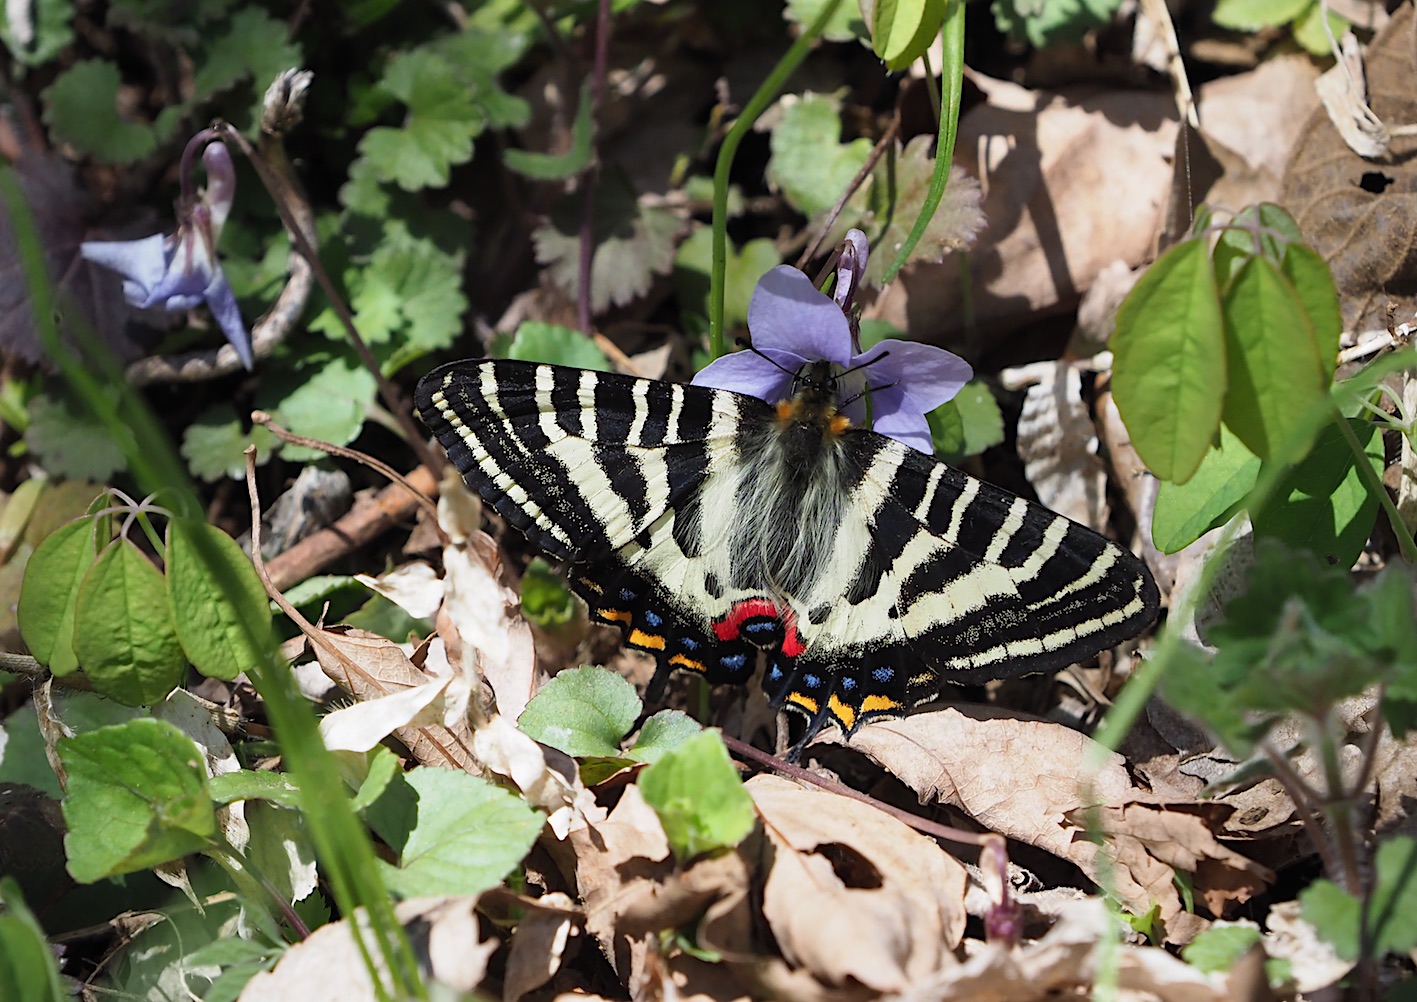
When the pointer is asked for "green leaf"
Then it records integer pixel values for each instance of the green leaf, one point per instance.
(51, 34)
(546, 601)
(68, 444)
(968, 424)
(845, 25)
(253, 46)
(454, 833)
(1217, 949)
(1335, 914)
(1185, 512)
(1251, 15)
(124, 636)
(582, 712)
(214, 445)
(556, 167)
(538, 341)
(80, 109)
(901, 30)
(1276, 376)
(1263, 229)
(219, 606)
(661, 734)
(1309, 30)
(699, 797)
(809, 162)
(326, 398)
(50, 592)
(1168, 375)
(246, 784)
(633, 243)
(742, 269)
(1047, 22)
(27, 966)
(1309, 274)
(438, 132)
(137, 797)
(1322, 504)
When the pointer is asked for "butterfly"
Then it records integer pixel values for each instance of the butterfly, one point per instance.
(726, 536)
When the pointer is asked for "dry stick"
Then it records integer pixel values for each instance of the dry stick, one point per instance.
(592, 174)
(367, 521)
(378, 465)
(744, 750)
(393, 397)
(877, 152)
(312, 633)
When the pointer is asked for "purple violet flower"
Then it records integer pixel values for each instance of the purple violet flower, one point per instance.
(793, 323)
(178, 272)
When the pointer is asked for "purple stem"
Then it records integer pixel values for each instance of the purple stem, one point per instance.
(587, 236)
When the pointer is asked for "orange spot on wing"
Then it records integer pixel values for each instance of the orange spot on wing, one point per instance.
(649, 641)
(879, 704)
(803, 700)
(845, 714)
(680, 661)
(614, 615)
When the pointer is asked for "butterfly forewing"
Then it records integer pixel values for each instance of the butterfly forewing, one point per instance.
(867, 572)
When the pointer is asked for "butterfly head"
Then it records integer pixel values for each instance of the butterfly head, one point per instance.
(815, 399)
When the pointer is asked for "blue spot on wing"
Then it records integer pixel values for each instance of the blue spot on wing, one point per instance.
(812, 681)
(653, 618)
(689, 643)
(848, 683)
(733, 661)
(883, 674)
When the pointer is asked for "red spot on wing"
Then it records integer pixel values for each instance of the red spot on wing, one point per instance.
(730, 626)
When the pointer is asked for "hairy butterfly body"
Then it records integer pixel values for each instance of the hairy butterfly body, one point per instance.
(715, 528)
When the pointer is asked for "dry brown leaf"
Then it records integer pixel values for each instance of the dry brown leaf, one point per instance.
(1064, 964)
(1072, 182)
(327, 965)
(369, 666)
(1358, 214)
(1027, 779)
(1058, 442)
(538, 944)
(854, 894)
(632, 888)
(481, 618)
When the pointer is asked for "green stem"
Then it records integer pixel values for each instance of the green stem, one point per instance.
(1374, 486)
(952, 84)
(758, 104)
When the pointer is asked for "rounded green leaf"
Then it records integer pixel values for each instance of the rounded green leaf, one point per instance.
(1168, 375)
(137, 797)
(220, 609)
(1276, 378)
(50, 591)
(123, 633)
(699, 797)
(537, 341)
(28, 969)
(582, 712)
(454, 833)
(901, 30)
(661, 734)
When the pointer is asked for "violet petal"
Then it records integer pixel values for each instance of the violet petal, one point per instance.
(789, 313)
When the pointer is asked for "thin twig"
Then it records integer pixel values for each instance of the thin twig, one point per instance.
(746, 751)
(393, 397)
(826, 224)
(592, 174)
(264, 420)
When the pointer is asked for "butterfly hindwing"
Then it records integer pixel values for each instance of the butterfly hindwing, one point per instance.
(711, 530)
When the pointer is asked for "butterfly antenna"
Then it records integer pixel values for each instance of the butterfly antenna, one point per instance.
(747, 346)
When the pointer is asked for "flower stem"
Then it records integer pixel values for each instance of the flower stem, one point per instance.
(756, 105)
(952, 85)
